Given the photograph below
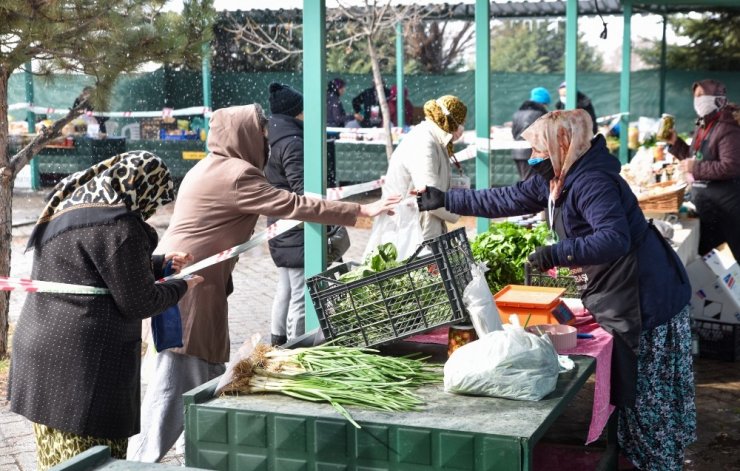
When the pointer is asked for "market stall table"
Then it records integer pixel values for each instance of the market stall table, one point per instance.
(98, 458)
(272, 431)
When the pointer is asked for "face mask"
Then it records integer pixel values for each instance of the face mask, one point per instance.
(705, 104)
(543, 167)
(562, 99)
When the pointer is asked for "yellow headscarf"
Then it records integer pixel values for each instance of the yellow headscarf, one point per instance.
(563, 135)
(447, 112)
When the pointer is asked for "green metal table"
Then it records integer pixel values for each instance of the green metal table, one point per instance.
(98, 458)
(180, 156)
(275, 432)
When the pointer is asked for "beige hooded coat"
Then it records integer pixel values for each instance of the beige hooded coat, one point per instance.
(217, 207)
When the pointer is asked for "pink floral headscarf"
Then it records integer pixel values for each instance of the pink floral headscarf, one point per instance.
(563, 135)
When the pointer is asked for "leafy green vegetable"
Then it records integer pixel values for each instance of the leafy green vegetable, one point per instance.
(400, 299)
(504, 248)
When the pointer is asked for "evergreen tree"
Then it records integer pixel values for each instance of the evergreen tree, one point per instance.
(537, 47)
(714, 44)
(100, 38)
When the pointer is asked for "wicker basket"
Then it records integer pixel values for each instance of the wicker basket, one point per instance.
(668, 201)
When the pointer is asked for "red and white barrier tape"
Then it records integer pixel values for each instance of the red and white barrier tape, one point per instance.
(35, 286)
(163, 113)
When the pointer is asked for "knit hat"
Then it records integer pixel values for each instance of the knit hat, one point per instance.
(285, 100)
(447, 112)
(540, 95)
(562, 85)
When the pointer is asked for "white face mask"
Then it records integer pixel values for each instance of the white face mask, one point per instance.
(562, 99)
(705, 104)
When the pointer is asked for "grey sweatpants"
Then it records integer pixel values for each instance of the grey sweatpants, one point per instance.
(162, 415)
(289, 304)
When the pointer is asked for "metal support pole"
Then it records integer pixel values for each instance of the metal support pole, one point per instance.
(31, 120)
(661, 106)
(482, 101)
(624, 83)
(314, 153)
(206, 73)
(571, 54)
(400, 96)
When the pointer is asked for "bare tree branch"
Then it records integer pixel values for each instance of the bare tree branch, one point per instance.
(19, 160)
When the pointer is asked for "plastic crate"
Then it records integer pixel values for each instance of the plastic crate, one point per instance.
(533, 277)
(717, 340)
(533, 304)
(423, 293)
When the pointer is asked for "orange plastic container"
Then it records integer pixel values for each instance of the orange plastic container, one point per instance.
(542, 305)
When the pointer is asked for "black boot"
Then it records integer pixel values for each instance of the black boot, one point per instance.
(278, 340)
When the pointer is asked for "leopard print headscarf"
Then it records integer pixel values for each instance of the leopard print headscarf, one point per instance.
(448, 112)
(138, 179)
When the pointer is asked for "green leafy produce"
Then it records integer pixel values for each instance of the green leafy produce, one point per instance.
(504, 248)
(378, 308)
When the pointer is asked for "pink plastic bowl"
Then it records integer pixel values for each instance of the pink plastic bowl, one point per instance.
(563, 336)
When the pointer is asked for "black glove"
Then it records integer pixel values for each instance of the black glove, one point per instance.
(432, 198)
(543, 258)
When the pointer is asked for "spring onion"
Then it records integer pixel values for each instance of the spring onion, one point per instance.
(341, 376)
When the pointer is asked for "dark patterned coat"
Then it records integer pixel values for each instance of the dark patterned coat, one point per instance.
(75, 358)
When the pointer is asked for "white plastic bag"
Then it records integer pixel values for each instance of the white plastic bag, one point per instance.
(478, 300)
(509, 363)
(244, 352)
(403, 229)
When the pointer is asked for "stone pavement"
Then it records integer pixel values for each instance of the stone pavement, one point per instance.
(718, 383)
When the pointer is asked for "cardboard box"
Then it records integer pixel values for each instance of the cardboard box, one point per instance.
(715, 286)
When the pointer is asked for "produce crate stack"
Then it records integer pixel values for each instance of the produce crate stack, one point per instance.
(423, 293)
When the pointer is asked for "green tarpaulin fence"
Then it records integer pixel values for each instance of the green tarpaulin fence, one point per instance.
(158, 89)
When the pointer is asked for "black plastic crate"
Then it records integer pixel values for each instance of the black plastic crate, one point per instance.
(533, 277)
(717, 340)
(423, 293)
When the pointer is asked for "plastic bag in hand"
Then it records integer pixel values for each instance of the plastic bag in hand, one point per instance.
(509, 363)
(403, 229)
(479, 302)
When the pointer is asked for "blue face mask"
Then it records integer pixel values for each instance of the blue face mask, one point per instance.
(535, 160)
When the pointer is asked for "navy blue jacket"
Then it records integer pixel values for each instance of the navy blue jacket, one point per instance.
(601, 218)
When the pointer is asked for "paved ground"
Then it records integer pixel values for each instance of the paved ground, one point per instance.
(718, 383)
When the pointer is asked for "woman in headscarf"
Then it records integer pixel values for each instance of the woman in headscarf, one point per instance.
(218, 204)
(425, 157)
(714, 161)
(75, 358)
(629, 278)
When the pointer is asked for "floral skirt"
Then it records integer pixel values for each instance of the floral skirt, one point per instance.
(654, 434)
(54, 446)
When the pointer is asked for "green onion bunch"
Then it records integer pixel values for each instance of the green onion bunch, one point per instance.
(341, 376)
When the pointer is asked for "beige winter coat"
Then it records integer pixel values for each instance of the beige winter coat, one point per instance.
(217, 207)
(421, 160)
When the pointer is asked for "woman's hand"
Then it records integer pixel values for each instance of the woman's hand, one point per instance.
(385, 205)
(429, 198)
(687, 165)
(193, 280)
(672, 138)
(179, 261)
